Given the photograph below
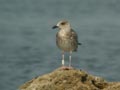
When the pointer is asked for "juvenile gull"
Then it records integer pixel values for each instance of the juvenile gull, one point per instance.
(66, 39)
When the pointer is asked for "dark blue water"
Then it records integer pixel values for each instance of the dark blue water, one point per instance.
(27, 42)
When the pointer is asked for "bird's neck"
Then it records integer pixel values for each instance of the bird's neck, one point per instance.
(66, 30)
(63, 32)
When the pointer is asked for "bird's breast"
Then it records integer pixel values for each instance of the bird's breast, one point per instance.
(65, 42)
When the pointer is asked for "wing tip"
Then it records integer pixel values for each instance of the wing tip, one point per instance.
(79, 43)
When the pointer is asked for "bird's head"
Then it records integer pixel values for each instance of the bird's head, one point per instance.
(62, 25)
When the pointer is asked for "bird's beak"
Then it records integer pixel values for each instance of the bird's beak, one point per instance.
(54, 27)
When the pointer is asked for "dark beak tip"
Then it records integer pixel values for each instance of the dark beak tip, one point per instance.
(54, 27)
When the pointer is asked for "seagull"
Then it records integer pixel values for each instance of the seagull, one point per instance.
(66, 39)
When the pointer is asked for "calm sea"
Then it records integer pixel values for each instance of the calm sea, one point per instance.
(27, 41)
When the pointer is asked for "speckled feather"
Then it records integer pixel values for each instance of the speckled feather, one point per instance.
(68, 42)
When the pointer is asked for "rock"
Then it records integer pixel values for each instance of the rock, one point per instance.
(69, 79)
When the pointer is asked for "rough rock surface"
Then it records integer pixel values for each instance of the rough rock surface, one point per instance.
(73, 79)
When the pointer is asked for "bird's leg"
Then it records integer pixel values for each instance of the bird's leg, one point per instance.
(70, 57)
(63, 62)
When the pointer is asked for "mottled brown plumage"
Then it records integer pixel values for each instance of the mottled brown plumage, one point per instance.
(68, 42)
(66, 38)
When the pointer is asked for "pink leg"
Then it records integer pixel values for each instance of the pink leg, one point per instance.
(70, 58)
(63, 61)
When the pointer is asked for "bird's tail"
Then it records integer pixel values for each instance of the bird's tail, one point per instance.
(79, 43)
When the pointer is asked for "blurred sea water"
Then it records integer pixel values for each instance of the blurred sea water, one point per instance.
(27, 42)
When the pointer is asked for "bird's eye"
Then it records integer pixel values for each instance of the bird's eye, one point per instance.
(63, 23)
